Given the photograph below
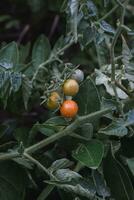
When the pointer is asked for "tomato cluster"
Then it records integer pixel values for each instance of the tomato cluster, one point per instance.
(59, 100)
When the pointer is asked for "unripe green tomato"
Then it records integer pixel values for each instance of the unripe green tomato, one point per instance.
(78, 75)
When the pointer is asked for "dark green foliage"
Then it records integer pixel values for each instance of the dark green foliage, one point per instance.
(43, 155)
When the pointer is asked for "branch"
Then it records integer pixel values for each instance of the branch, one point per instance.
(36, 163)
(52, 58)
(68, 130)
(112, 53)
(8, 156)
(108, 14)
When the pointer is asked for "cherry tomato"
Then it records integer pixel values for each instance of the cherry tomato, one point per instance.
(69, 109)
(70, 87)
(53, 101)
(78, 75)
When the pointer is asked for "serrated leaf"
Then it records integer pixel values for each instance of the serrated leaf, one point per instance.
(90, 154)
(9, 56)
(41, 50)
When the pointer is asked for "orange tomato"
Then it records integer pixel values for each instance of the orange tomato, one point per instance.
(69, 109)
(53, 101)
(70, 87)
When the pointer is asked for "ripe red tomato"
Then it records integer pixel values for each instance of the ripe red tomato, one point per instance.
(70, 87)
(69, 109)
(53, 101)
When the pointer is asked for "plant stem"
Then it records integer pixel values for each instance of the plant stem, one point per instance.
(47, 190)
(7, 156)
(119, 85)
(108, 14)
(52, 58)
(78, 167)
(112, 56)
(67, 131)
(36, 163)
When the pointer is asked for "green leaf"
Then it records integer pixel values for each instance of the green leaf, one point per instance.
(126, 53)
(117, 179)
(24, 52)
(104, 79)
(79, 186)
(73, 6)
(12, 181)
(116, 128)
(66, 175)
(57, 121)
(90, 154)
(16, 81)
(59, 164)
(26, 90)
(58, 45)
(100, 184)
(130, 162)
(130, 117)
(21, 135)
(88, 98)
(84, 132)
(107, 27)
(9, 56)
(41, 50)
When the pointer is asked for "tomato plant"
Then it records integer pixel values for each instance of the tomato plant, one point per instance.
(66, 100)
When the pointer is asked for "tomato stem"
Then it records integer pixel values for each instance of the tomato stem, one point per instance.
(68, 130)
